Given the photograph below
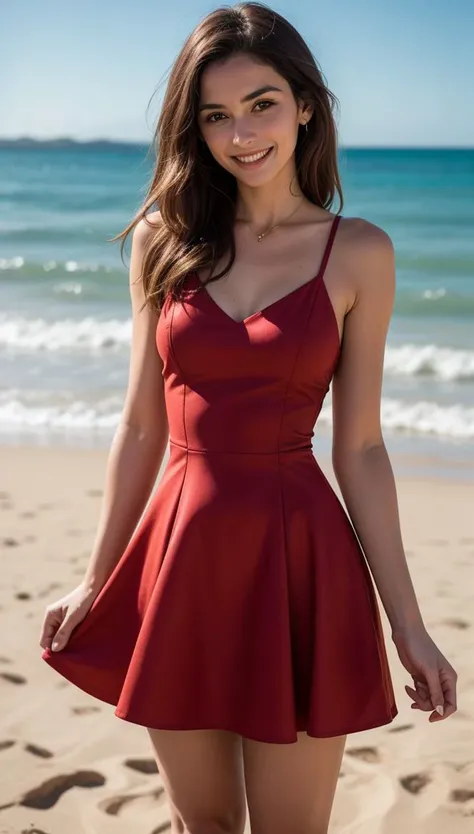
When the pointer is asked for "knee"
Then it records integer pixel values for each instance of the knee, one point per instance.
(229, 824)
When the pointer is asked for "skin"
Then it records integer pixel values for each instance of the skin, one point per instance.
(208, 774)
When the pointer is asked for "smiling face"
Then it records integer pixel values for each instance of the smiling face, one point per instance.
(249, 118)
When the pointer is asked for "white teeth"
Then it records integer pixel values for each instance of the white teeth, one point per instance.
(254, 156)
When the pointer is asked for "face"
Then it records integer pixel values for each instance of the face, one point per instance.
(240, 117)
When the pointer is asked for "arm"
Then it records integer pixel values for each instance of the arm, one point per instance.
(360, 459)
(140, 440)
(362, 466)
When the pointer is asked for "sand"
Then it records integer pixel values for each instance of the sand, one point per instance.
(69, 766)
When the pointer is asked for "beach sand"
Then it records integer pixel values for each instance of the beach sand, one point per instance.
(69, 766)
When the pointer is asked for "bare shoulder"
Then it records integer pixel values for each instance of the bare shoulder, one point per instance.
(147, 226)
(365, 239)
(369, 258)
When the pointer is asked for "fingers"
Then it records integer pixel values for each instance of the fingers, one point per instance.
(435, 691)
(443, 702)
(448, 682)
(50, 625)
(62, 635)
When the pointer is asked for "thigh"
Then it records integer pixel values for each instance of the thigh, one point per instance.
(290, 787)
(202, 772)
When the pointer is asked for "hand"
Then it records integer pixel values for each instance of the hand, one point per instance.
(62, 616)
(434, 678)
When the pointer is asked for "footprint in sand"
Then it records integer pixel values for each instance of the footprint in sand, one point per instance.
(84, 710)
(6, 744)
(461, 795)
(11, 677)
(456, 622)
(27, 514)
(415, 782)
(94, 493)
(36, 750)
(114, 805)
(4, 659)
(22, 595)
(401, 728)
(365, 754)
(10, 542)
(33, 831)
(147, 766)
(47, 794)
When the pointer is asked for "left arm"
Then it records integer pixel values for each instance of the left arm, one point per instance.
(364, 473)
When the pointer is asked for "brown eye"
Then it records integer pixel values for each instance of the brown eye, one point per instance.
(266, 102)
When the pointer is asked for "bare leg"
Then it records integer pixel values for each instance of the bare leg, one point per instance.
(202, 771)
(290, 787)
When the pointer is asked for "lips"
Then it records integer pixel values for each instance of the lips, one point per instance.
(265, 151)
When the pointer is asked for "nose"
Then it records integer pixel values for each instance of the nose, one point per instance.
(244, 136)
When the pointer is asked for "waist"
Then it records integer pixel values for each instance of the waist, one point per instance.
(305, 449)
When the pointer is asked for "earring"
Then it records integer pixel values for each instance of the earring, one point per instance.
(306, 126)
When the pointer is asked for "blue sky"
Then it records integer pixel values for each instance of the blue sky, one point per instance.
(402, 70)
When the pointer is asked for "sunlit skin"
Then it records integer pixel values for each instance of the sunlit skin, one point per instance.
(271, 119)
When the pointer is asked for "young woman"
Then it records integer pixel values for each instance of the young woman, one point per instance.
(236, 619)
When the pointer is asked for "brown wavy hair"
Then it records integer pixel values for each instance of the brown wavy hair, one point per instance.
(195, 195)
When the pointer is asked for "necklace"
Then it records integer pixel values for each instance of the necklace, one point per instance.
(267, 232)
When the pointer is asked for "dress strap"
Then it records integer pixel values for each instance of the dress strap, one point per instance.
(327, 250)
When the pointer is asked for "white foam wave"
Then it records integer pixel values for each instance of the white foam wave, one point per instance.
(18, 262)
(32, 411)
(427, 418)
(90, 334)
(429, 360)
(75, 416)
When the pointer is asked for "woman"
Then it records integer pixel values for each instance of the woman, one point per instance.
(237, 620)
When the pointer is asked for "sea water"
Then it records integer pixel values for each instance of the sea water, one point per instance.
(65, 325)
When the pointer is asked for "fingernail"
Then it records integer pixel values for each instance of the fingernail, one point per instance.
(440, 709)
(55, 647)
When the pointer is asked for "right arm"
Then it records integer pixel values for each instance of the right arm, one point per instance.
(134, 460)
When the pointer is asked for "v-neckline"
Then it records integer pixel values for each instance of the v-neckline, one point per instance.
(258, 313)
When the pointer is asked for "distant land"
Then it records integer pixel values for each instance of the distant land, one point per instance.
(68, 142)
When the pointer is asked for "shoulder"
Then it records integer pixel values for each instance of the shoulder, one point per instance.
(369, 258)
(147, 227)
(365, 239)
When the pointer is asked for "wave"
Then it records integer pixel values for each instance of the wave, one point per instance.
(97, 279)
(426, 418)
(443, 363)
(92, 334)
(88, 334)
(39, 413)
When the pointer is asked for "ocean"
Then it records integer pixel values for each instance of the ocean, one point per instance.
(65, 322)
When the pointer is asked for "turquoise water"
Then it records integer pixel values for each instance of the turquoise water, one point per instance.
(65, 313)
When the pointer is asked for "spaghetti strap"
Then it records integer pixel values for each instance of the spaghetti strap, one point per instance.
(328, 248)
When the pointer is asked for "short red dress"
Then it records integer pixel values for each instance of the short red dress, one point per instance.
(243, 601)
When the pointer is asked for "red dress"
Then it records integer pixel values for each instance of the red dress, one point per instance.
(243, 601)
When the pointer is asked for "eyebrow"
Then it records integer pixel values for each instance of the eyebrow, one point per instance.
(256, 93)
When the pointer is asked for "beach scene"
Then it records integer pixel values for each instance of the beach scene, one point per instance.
(67, 763)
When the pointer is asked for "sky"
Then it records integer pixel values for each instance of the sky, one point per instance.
(402, 70)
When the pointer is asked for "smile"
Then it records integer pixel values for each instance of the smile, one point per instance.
(251, 159)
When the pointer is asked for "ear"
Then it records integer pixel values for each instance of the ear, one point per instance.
(305, 111)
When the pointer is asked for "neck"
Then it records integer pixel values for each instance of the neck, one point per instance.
(262, 207)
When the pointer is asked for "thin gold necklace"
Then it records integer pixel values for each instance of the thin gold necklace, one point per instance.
(264, 234)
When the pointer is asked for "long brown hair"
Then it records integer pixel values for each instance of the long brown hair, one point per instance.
(195, 195)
